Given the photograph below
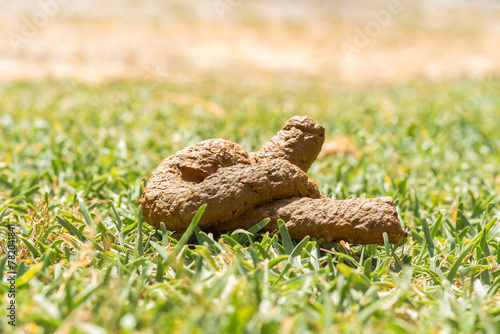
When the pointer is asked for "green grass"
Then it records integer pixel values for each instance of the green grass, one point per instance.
(73, 159)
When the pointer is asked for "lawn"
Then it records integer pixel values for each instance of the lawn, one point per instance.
(74, 159)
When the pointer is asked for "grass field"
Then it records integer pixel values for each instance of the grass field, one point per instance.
(74, 158)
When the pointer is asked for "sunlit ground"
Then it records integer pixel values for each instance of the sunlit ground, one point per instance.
(250, 41)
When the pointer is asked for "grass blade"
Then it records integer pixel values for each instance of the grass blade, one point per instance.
(30, 247)
(472, 245)
(24, 194)
(118, 219)
(185, 237)
(436, 226)
(298, 249)
(3, 214)
(139, 247)
(387, 245)
(494, 288)
(159, 270)
(285, 236)
(257, 227)
(163, 253)
(428, 237)
(85, 212)
(164, 235)
(71, 228)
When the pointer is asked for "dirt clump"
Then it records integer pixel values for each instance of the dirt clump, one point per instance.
(240, 189)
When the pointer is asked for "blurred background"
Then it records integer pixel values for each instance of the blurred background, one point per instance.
(350, 43)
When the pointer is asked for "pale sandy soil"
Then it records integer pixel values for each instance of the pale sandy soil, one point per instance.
(254, 41)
